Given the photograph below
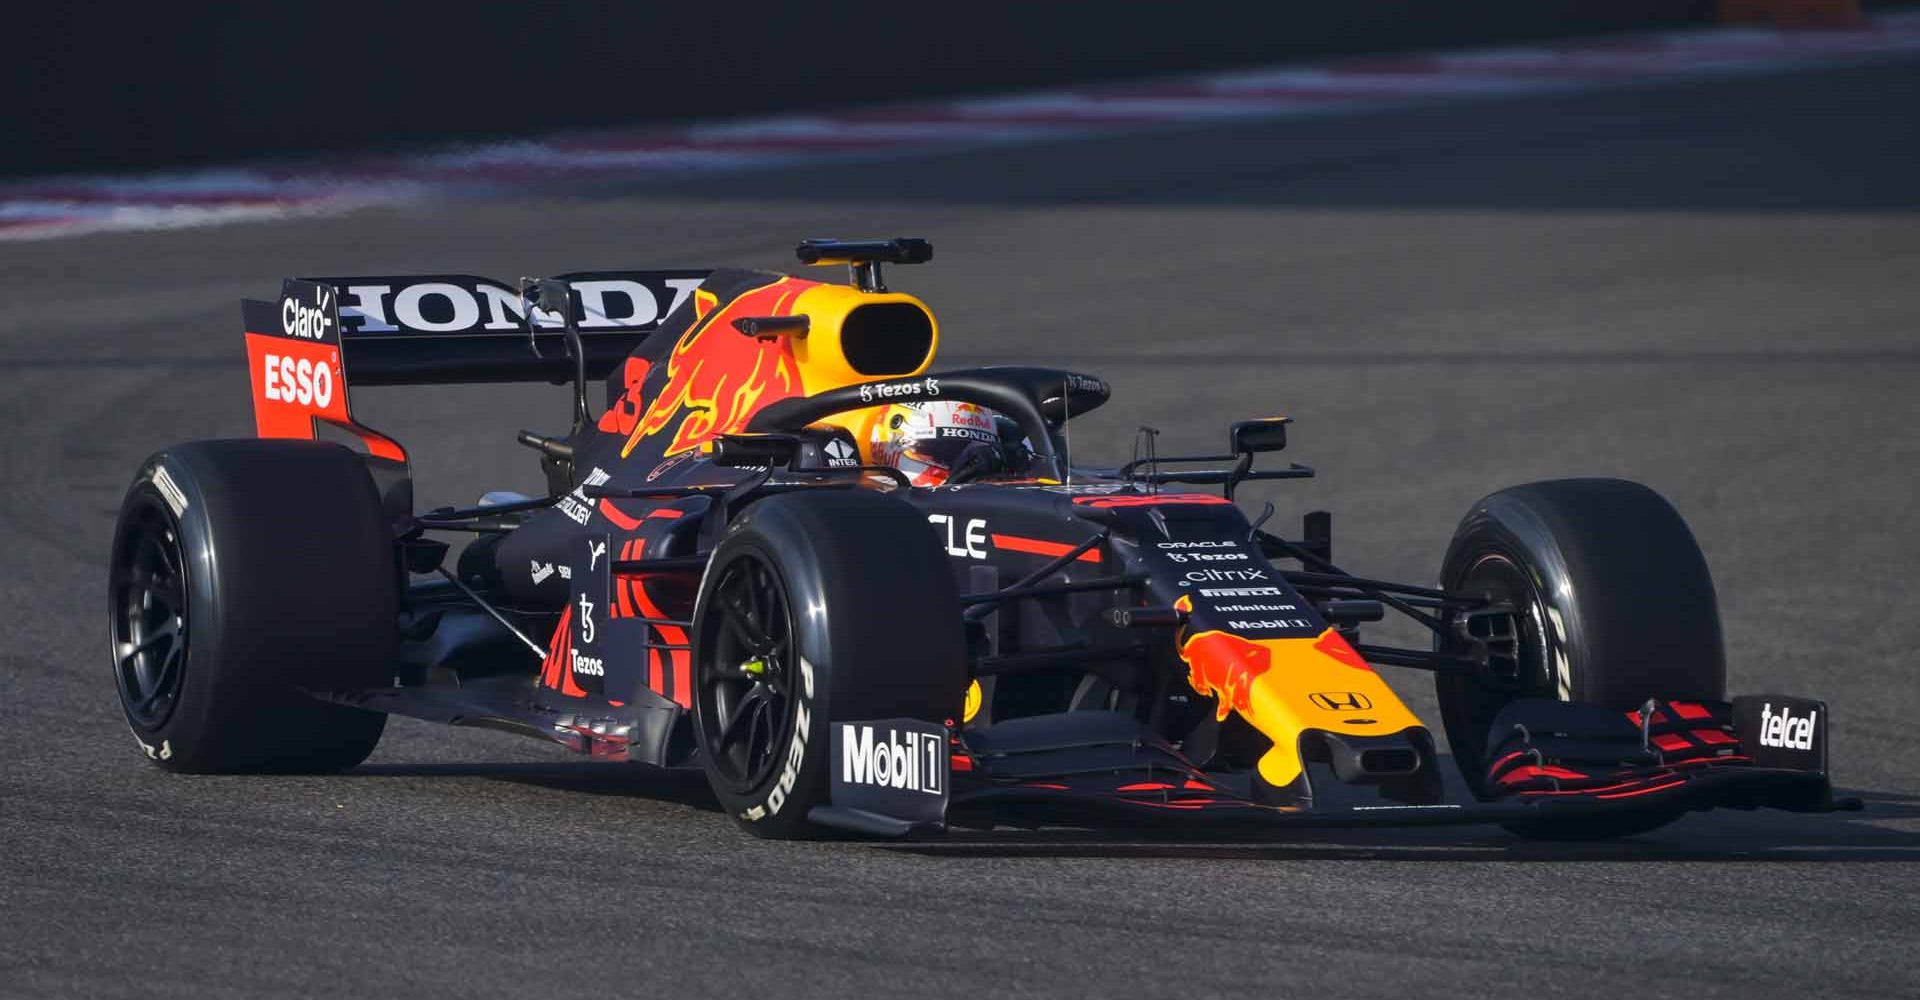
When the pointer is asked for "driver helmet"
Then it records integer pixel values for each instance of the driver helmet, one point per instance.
(929, 442)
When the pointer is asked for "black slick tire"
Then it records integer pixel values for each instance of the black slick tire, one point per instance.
(243, 574)
(817, 606)
(1613, 605)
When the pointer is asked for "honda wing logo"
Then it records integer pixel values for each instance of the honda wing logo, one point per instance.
(1341, 701)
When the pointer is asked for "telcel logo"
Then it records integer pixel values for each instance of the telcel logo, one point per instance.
(1784, 731)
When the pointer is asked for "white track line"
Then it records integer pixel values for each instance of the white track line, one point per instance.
(64, 206)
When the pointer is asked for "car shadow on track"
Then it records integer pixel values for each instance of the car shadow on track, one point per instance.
(1844, 837)
(688, 788)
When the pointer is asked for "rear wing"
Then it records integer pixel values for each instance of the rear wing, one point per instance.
(303, 347)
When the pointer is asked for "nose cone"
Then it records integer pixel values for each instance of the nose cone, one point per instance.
(1285, 687)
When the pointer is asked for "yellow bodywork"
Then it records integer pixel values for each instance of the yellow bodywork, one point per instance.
(822, 361)
(717, 377)
(1283, 687)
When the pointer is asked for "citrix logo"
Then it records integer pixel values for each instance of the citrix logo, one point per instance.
(1224, 575)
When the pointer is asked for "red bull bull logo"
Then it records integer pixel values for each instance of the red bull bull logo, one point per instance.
(1225, 666)
(1335, 648)
(718, 379)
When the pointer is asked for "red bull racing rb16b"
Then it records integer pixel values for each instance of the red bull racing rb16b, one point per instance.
(865, 594)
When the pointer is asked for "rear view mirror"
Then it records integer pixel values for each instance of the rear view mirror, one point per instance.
(769, 450)
(1269, 434)
(556, 297)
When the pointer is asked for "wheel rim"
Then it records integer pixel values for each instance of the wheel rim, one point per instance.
(1498, 578)
(148, 604)
(747, 667)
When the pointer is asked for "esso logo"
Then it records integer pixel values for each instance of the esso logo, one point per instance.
(299, 380)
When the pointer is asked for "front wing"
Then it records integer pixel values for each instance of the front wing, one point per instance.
(1097, 769)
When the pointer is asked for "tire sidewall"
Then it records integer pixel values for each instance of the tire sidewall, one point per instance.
(181, 741)
(885, 641)
(802, 774)
(240, 707)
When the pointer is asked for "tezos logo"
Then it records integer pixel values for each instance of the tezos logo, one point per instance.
(1086, 383)
(1784, 731)
(287, 379)
(870, 391)
(1181, 557)
(307, 322)
(909, 761)
(588, 666)
(586, 619)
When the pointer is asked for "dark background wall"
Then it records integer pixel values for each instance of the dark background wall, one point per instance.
(167, 84)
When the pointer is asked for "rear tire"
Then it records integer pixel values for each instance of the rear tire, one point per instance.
(241, 572)
(817, 607)
(1613, 605)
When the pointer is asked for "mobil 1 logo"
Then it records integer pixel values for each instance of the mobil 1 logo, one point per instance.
(894, 767)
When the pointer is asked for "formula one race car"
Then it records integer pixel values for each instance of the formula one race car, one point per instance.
(866, 596)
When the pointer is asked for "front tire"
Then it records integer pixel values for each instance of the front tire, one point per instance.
(817, 607)
(1612, 604)
(241, 572)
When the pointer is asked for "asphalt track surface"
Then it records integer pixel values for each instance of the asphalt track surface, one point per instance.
(1711, 287)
